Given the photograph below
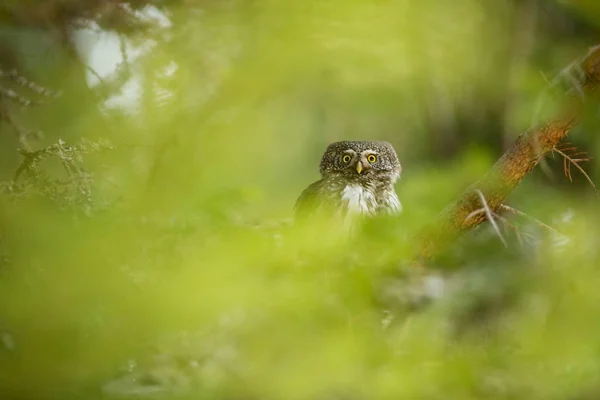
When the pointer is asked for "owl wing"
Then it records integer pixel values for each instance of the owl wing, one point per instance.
(315, 198)
(307, 202)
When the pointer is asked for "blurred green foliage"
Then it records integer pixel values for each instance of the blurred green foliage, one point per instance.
(174, 278)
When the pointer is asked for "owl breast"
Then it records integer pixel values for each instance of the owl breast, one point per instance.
(358, 200)
(388, 202)
(335, 197)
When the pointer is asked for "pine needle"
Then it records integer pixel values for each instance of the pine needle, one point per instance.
(574, 159)
(489, 215)
(514, 211)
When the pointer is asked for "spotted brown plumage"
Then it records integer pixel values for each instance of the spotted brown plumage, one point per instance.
(357, 179)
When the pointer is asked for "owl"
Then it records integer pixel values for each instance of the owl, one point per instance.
(357, 179)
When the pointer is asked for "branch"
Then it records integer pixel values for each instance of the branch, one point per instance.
(26, 83)
(506, 174)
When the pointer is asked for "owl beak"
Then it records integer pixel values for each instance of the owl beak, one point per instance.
(359, 167)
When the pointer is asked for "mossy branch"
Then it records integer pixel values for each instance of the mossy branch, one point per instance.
(527, 151)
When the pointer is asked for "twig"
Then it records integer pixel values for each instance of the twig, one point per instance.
(22, 133)
(515, 229)
(24, 82)
(575, 162)
(505, 222)
(14, 96)
(514, 211)
(93, 72)
(123, 50)
(490, 217)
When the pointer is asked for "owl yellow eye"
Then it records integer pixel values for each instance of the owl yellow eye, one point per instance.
(346, 159)
(371, 158)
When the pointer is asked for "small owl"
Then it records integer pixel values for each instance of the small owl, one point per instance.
(357, 179)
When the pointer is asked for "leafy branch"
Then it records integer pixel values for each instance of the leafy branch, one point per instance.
(73, 190)
(9, 97)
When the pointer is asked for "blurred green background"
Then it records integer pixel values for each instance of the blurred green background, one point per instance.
(148, 259)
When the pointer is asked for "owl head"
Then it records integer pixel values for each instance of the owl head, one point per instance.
(361, 161)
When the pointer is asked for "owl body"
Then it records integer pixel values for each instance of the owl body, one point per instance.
(357, 179)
